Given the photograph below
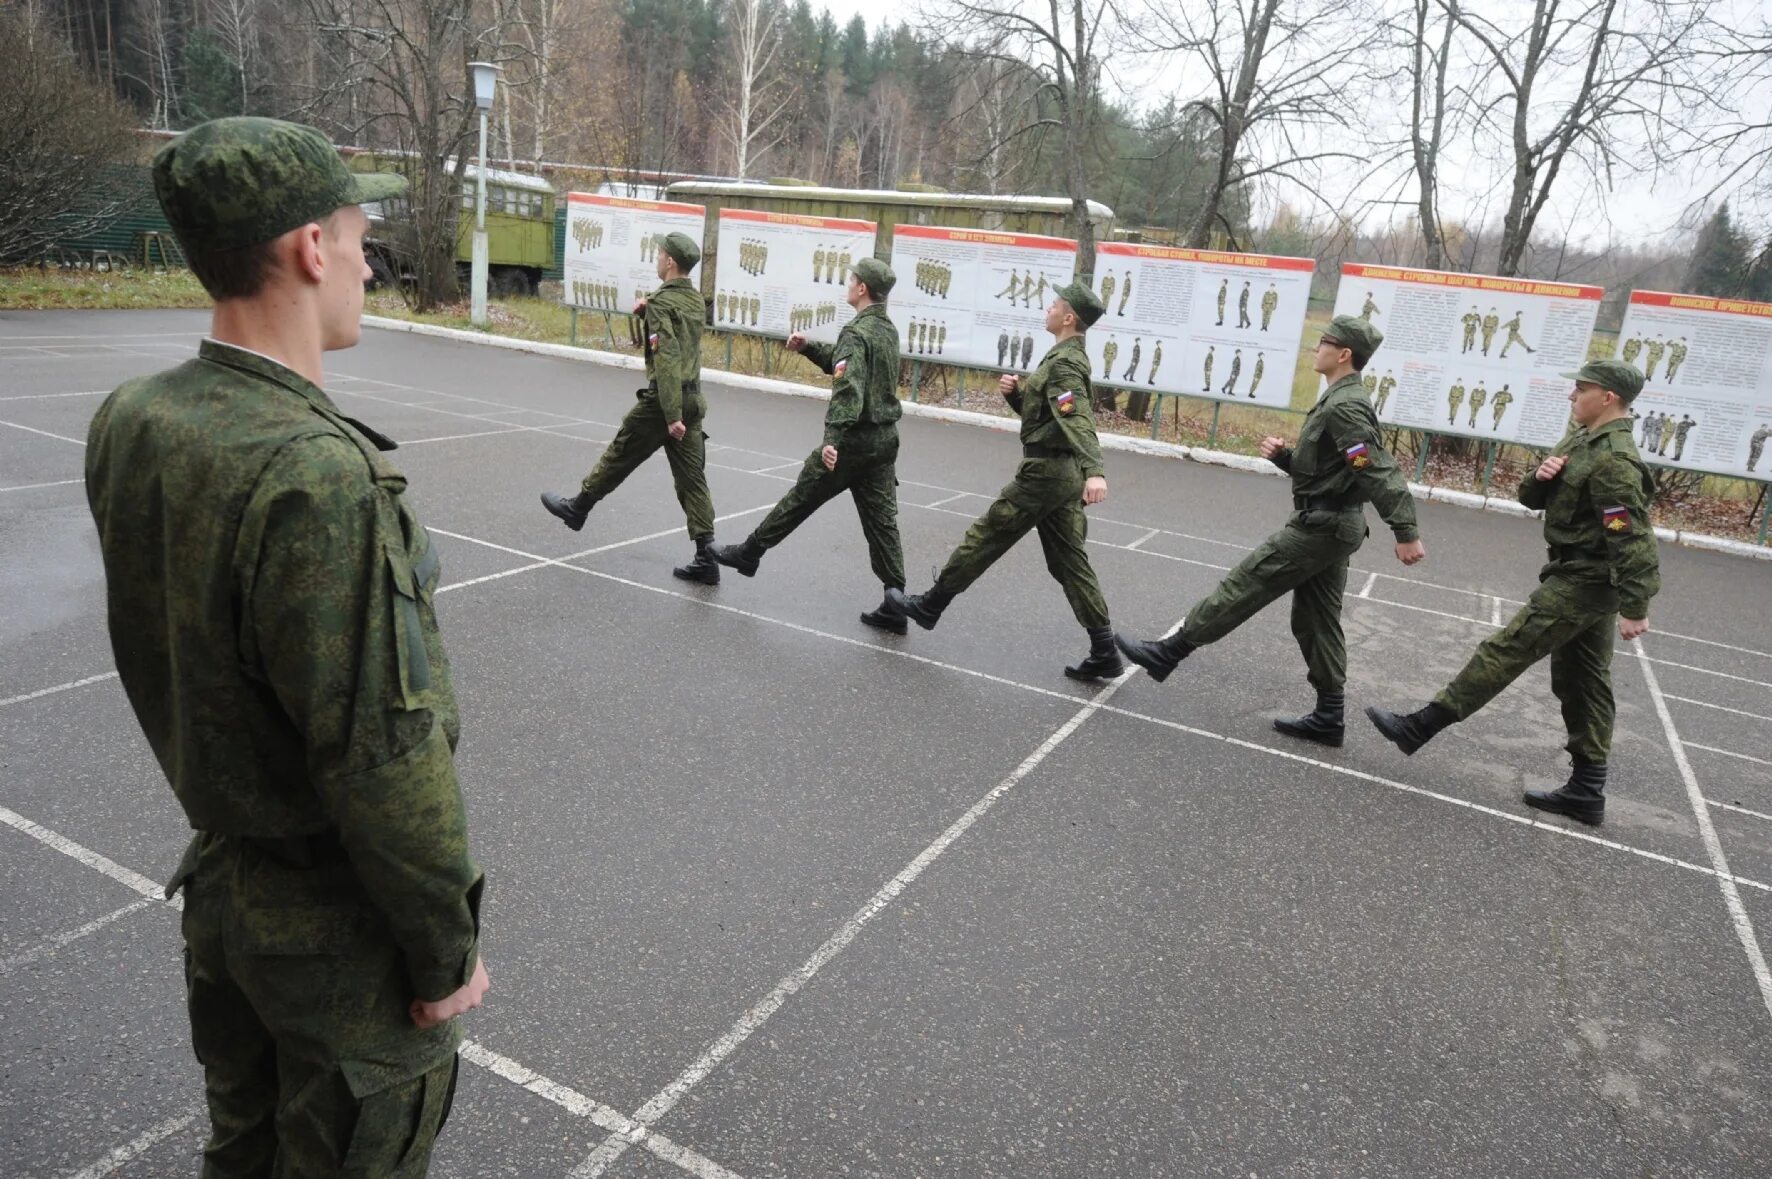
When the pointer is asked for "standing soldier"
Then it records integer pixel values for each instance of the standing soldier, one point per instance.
(1041, 297)
(1514, 336)
(1454, 398)
(1338, 465)
(1756, 444)
(1109, 350)
(1060, 473)
(1667, 434)
(1491, 322)
(1270, 299)
(1125, 292)
(668, 412)
(269, 589)
(1107, 288)
(1255, 379)
(1632, 348)
(1370, 383)
(1003, 347)
(1479, 398)
(1369, 308)
(1156, 363)
(1131, 372)
(1676, 356)
(1680, 432)
(860, 450)
(1499, 406)
(1595, 492)
(1211, 351)
(1471, 321)
(1243, 319)
(1386, 383)
(1027, 350)
(1230, 384)
(1224, 286)
(1651, 429)
(818, 265)
(941, 338)
(1656, 348)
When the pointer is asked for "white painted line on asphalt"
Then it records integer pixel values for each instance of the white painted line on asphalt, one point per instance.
(47, 396)
(667, 1098)
(603, 1116)
(1740, 810)
(1718, 707)
(129, 1150)
(45, 433)
(950, 499)
(98, 863)
(35, 486)
(776, 467)
(1495, 611)
(405, 442)
(1744, 928)
(1153, 532)
(68, 687)
(51, 945)
(1728, 753)
(1366, 590)
(1740, 679)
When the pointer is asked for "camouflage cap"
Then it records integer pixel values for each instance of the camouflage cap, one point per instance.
(236, 182)
(1358, 335)
(1082, 300)
(876, 276)
(1620, 376)
(682, 248)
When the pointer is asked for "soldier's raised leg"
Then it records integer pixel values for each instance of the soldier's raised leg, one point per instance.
(641, 433)
(814, 488)
(1005, 522)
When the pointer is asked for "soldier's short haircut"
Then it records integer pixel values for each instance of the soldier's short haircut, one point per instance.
(242, 273)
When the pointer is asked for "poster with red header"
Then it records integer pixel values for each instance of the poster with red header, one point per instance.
(612, 247)
(976, 297)
(781, 273)
(1707, 395)
(1472, 354)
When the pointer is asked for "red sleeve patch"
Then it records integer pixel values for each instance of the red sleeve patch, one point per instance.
(1615, 519)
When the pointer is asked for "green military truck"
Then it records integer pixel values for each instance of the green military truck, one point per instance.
(519, 230)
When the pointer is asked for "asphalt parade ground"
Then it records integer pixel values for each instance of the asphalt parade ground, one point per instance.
(772, 894)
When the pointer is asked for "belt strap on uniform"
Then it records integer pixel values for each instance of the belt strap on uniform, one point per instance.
(300, 851)
(1574, 552)
(1029, 450)
(1321, 503)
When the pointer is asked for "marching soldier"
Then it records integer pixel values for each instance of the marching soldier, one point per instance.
(1680, 431)
(1009, 291)
(1454, 398)
(1656, 348)
(1338, 465)
(1369, 308)
(1386, 384)
(1503, 398)
(1756, 444)
(1255, 378)
(1514, 336)
(668, 412)
(1131, 372)
(1676, 356)
(1156, 363)
(1491, 322)
(1060, 473)
(1224, 286)
(1230, 384)
(269, 594)
(1270, 299)
(1471, 320)
(1243, 319)
(1595, 492)
(1125, 292)
(860, 449)
(1479, 397)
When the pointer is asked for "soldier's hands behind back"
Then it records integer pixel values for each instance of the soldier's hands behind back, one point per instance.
(1271, 446)
(1551, 467)
(1632, 628)
(796, 342)
(1006, 383)
(1409, 552)
(1094, 489)
(470, 996)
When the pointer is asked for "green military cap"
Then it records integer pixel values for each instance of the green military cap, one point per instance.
(876, 276)
(1620, 376)
(1356, 334)
(1082, 300)
(236, 182)
(681, 247)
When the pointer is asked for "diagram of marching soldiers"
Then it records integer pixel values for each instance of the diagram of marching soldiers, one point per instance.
(786, 272)
(1473, 354)
(612, 245)
(1707, 379)
(1161, 298)
(979, 297)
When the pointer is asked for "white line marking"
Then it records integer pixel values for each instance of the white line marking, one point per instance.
(46, 396)
(129, 1150)
(103, 864)
(950, 499)
(55, 943)
(1744, 928)
(34, 486)
(45, 433)
(1495, 611)
(405, 442)
(1707, 671)
(1366, 590)
(68, 687)
(1728, 753)
(1729, 806)
(1718, 707)
(603, 1116)
(776, 467)
(1134, 545)
(667, 1098)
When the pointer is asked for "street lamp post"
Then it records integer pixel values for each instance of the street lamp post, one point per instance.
(485, 82)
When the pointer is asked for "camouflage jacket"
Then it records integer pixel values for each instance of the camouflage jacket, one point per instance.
(864, 361)
(1056, 404)
(1596, 514)
(269, 598)
(1339, 456)
(674, 318)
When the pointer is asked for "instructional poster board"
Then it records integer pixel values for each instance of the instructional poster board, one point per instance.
(780, 273)
(1472, 354)
(974, 297)
(612, 247)
(1707, 395)
(1200, 322)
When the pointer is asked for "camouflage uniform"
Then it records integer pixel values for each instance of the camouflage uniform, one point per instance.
(269, 595)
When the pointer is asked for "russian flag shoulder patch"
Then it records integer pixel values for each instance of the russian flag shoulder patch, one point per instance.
(1358, 457)
(841, 367)
(1615, 519)
(1067, 402)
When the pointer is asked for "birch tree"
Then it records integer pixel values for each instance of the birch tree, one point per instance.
(757, 96)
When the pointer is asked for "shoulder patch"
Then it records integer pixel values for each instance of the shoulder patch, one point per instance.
(1615, 519)
(1358, 456)
(652, 340)
(841, 367)
(1067, 402)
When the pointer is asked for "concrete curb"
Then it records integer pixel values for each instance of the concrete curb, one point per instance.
(967, 417)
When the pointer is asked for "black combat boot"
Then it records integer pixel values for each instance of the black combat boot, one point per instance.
(704, 568)
(1103, 663)
(1411, 732)
(573, 511)
(1325, 726)
(924, 608)
(742, 557)
(887, 615)
(1159, 656)
(1582, 797)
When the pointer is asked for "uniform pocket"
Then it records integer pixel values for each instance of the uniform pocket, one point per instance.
(401, 1107)
(416, 687)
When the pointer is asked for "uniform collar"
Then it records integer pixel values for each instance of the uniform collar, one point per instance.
(679, 281)
(1615, 426)
(259, 365)
(1352, 380)
(878, 309)
(1074, 343)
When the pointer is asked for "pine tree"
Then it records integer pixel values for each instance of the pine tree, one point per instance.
(1720, 258)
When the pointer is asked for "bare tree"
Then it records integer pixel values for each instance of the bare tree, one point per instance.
(988, 106)
(757, 95)
(236, 24)
(1429, 57)
(1603, 84)
(153, 36)
(1277, 88)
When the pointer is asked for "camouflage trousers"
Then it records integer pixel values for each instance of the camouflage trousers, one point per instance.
(298, 1001)
(1046, 496)
(1308, 559)
(867, 469)
(643, 431)
(1572, 621)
